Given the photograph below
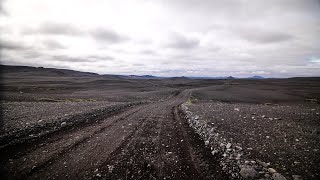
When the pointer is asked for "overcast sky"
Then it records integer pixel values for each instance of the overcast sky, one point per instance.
(274, 38)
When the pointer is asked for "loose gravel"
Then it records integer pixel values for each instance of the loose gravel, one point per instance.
(253, 138)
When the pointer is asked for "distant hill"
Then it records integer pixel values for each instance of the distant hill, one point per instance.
(256, 77)
(179, 78)
(206, 77)
(143, 77)
(40, 71)
(230, 77)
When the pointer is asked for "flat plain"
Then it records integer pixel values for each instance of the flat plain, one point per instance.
(63, 124)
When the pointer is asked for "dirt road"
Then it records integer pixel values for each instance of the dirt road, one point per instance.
(148, 141)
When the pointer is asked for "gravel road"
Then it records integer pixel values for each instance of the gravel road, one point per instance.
(148, 141)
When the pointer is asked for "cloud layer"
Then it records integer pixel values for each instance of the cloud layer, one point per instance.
(276, 38)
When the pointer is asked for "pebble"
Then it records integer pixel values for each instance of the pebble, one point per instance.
(214, 152)
(261, 163)
(278, 176)
(238, 157)
(228, 146)
(296, 177)
(236, 109)
(248, 173)
(224, 155)
(206, 142)
(110, 168)
(63, 124)
(271, 170)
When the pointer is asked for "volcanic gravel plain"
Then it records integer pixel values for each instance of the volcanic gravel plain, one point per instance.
(63, 124)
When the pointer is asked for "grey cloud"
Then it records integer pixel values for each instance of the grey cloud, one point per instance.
(10, 45)
(179, 41)
(107, 35)
(232, 8)
(3, 11)
(52, 44)
(90, 58)
(101, 58)
(148, 52)
(138, 64)
(65, 58)
(264, 36)
(53, 28)
(31, 54)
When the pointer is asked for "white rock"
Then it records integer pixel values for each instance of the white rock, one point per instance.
(236, 109)
(228, 146)
(296, 177)
(110, 168)
(271, 170)
(239, 148)
(224, 155)
(206, 142)
(214, 152)
(63, 124)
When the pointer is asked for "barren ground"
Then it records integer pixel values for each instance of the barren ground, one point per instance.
(59, 124)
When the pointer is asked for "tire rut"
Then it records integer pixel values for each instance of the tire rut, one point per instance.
(146, 142)
(57, 145)
(74, 145)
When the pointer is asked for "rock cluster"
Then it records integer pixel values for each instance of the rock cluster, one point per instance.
(232, 160)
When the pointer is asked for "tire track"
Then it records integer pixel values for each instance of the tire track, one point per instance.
(126, 161)
(60, 143)
(146, 142)
(54, 157)
(94, 148)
